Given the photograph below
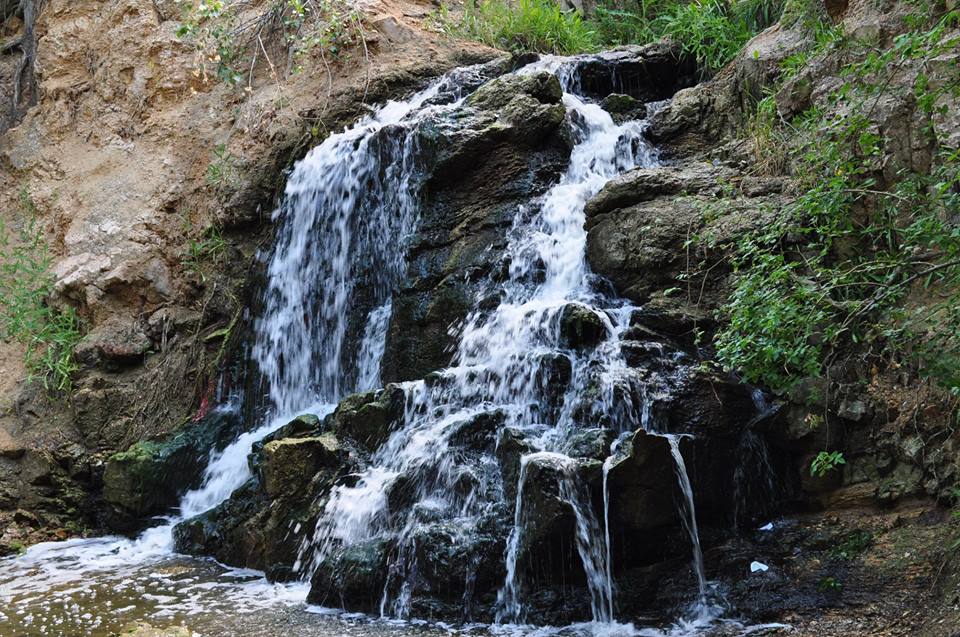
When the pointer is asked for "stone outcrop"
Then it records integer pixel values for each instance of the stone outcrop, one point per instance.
(665, 236)
(505, 147)
(258, 526)
(148, 478)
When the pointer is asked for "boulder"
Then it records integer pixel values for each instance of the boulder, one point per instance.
(352, 578)
(646, 73)
(623, 108)
(511, 446)
(368, 418)
(643, 484)
(149, 477)
(288, 462)
(665, 236)
(232, 532)
(260, 525)
(580, 327)
(697, 118)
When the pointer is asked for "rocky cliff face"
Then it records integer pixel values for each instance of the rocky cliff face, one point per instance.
(152, 183)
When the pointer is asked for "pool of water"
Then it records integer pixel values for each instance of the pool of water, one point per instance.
(108, 586)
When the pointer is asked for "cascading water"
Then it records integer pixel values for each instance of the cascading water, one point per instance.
(498, 369)
(349, 207)
(689, 516)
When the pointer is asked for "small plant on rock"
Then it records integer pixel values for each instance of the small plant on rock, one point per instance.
(852, 546)
(825, 462)
(234, 37)
(222, 170)
(209, 248)
(829, 585)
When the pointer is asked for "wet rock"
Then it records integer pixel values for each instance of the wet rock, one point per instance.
(643, 484)
(645, 354)
(646, 73)
(299, 427)
(368, 418)
(263, 522)
(501, 92)
(148, 478)
(232, 532)
(623, 108)
(553, 378)
(545, 511)
(581, 327)
(479, 433)
(352, 578)
(288, 462)
(511, 446)
(519, 110)
(590, 443)
(458, 569)
(504, 147)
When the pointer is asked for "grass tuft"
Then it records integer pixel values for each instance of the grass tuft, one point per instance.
(26, 316)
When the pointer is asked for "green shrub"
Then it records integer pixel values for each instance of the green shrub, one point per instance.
(526, 25)
(838, 266)
(707, 29)
(712, 30)
(825, 462)
(48, 333)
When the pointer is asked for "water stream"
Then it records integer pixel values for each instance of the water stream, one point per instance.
(350, 206)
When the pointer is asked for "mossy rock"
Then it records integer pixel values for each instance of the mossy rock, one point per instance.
(581, 327)
(496, 94)
(368, 418)
(148, 478)
(290, 462)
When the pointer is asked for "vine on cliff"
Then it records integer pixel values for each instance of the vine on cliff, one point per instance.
(860, 256)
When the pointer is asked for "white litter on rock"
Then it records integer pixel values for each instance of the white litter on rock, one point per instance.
(758, 567)
(766, 527)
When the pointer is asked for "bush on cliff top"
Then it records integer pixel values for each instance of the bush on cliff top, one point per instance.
(712, 30)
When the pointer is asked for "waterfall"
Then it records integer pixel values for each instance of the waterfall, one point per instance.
(689, 516)
(497, 368)
(349, 209)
